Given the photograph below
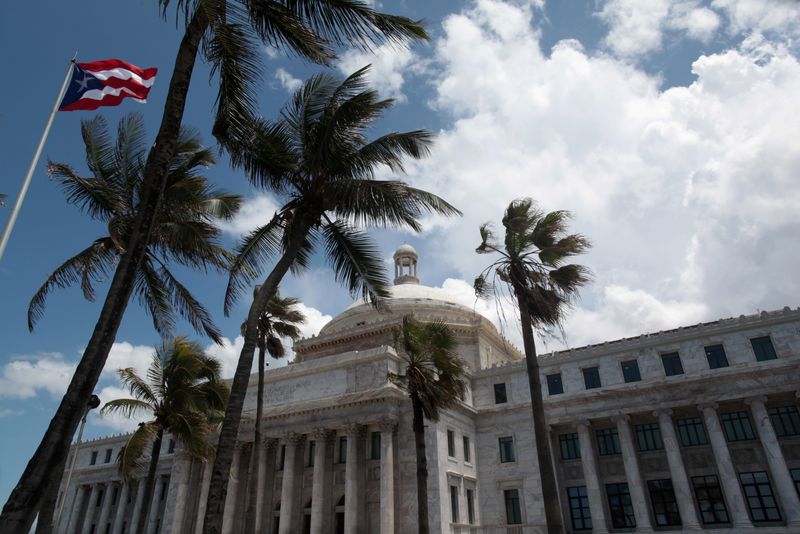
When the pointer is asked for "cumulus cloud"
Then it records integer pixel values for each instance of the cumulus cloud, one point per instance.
(8, 412)
(25, 377)
(389, 63)
(255, 211)
(781, 16)
(288, 82)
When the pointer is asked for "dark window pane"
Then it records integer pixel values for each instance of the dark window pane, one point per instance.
(108, 455)
(630, 371)
(312, 448)
(467, 450)
(785, 420)
(760, 499)
(672, 364)
(570, 446)
(507, 449)
(554, 385)
(665, 507)
(796, 478)
(281, 457)
(454, 503)
(451, 444)
(343, 450)
(649, 437)
(171, 448)
(692, 431)
(607, 441)
(471, 506)
(500, 396)
(709, 500)
(763, 349)
(513, 509)
(737, 426)
(716, 357)
(591, 377)
(93, 459)
(619, 504)
(579, 508)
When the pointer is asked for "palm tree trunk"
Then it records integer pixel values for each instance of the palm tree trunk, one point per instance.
(220, 473)
(255, 457)
(44, 522)
(552, 509)
(422, 466)
(150, 483)
(21, 507)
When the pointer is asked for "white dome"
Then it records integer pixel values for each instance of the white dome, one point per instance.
(404, 250)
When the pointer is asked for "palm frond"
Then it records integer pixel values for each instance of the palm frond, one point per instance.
(153, 294)
(130, 153)
(95, 197)
(99, 148)
(389, 150)
(279, 28)
(129, 457)
(189, 307)
(137, 386)
(127, 407)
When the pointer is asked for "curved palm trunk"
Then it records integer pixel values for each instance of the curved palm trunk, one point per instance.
(20, 509)
(150, 483)
(220, 473)
(255, 458)
(552, 509)
(44, 522)
(422, 466)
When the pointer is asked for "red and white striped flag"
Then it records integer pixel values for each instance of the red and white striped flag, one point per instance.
(106, 83)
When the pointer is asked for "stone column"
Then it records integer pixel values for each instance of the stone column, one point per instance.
(268, 502)
(288, 504)
(178, 492)
(260, 450)
(787, 494)
(593, 490)
(635, 483)
(680, 482)
(319, 501)
(137, 505)
(352, 484)
(106, 509)
(122, 507)
(229, 511)
(90, 510)
(387, 476)
(203, 500)
(155, 505)
(727, 474)
(75, 511)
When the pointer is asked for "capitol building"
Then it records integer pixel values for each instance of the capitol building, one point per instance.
(691, 429)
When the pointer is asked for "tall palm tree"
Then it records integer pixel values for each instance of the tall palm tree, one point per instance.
(184, 395)
(532, 268)
(434, 380)
(229, 34)
(280, 319)
(317, 158)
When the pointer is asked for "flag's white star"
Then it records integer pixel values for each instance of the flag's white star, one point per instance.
(84, 83)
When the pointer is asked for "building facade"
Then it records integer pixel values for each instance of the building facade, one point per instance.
(690, 429)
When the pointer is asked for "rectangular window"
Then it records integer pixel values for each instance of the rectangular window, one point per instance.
(763, 349)
(619, 504)
(171, 448)
(513, 509)
(312, 446)
(454, 503)
(342, 450)
(108, 456)
(648, 437)
(500, 396)
(570, 446)
(591, 377)
(795, 473)
(375, 445)
(760, 499)
(665, 507)
(607, 441)
(579, 508)
(471, 506)
(93, 459)
(630, 371)
(507, 449)
(692, 431)
(709, 500)
(716, 357)
(785, 420)
(114, 495)
(672, 364)
(737, 426)
(99, 498)
(554, 385)
(467, 450)
(280, 458)
(451, 444)
(164, 488)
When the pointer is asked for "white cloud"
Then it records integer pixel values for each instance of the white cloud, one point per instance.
(389, 63)
(255, 211)
(8, 412)
(25, 377)
(116, 421)
(288, 82)
(745, 16)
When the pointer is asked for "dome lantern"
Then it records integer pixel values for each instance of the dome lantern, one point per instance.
(405, 265)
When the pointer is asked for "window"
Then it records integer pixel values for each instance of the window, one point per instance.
(500, 396)
(692, 432)
(672, 364)
(570, 446)
(607, 441)
(375, 445)
(760, 499)
(451, 444)
(108, 456)
(171, 447)
(795, 473)
(93, 459)
(513, 509)
(619, 504)
(114, 495)
(591, 377)
(471, 506)
(164, 488)
(716, 357)
(467, 450)
(785, 420)
(312, 446)
(280, 458)
(454, 503)
(630, 371)
(665, 507)
(648, 436)
(737, 426)
(709, 500)
(579, 508)
(554, 385)
(763, 349)
(342, 450)
(507, 449)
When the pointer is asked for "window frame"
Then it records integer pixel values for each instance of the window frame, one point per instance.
(555, 384)
(510, 451)
(761, 490)
(787, 418)
(454, 512)
(713, 357)
(591, 378)
(569, 445)
(342, 448)
(311, 452)
(500, 393)
(511, 496)
(628, 367)
(465, 442)
(107, 459)
(470, 496)
(672, 363)
(687, 428)
(375, 445)
(763, 355)
(737, 426)
(604, 436)
(709, 491)
(648, 437)
(624, 506)
(664, 503)
(579, 512)
(93, 458)
(451, 443)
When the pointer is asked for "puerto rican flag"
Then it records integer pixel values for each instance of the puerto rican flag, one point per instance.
(106, 83)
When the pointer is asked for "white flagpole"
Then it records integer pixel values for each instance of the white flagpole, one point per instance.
(27, 182)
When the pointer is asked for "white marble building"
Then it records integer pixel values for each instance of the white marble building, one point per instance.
(690, 429)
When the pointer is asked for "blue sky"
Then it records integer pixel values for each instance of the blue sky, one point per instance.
(666, 126)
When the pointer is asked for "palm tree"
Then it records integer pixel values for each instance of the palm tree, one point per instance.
(434, 380)
(227, 33)
(318, 159)
(184, 394)
(280, 319)
(532, 267)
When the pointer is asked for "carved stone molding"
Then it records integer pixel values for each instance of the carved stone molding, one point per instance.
(663, 411)
(709, 405)
(294, 438)
(621, 418)
(269, 444)
(323, 435)
(585, 423)
(387, 425)
(758, 398)
(355, 430)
